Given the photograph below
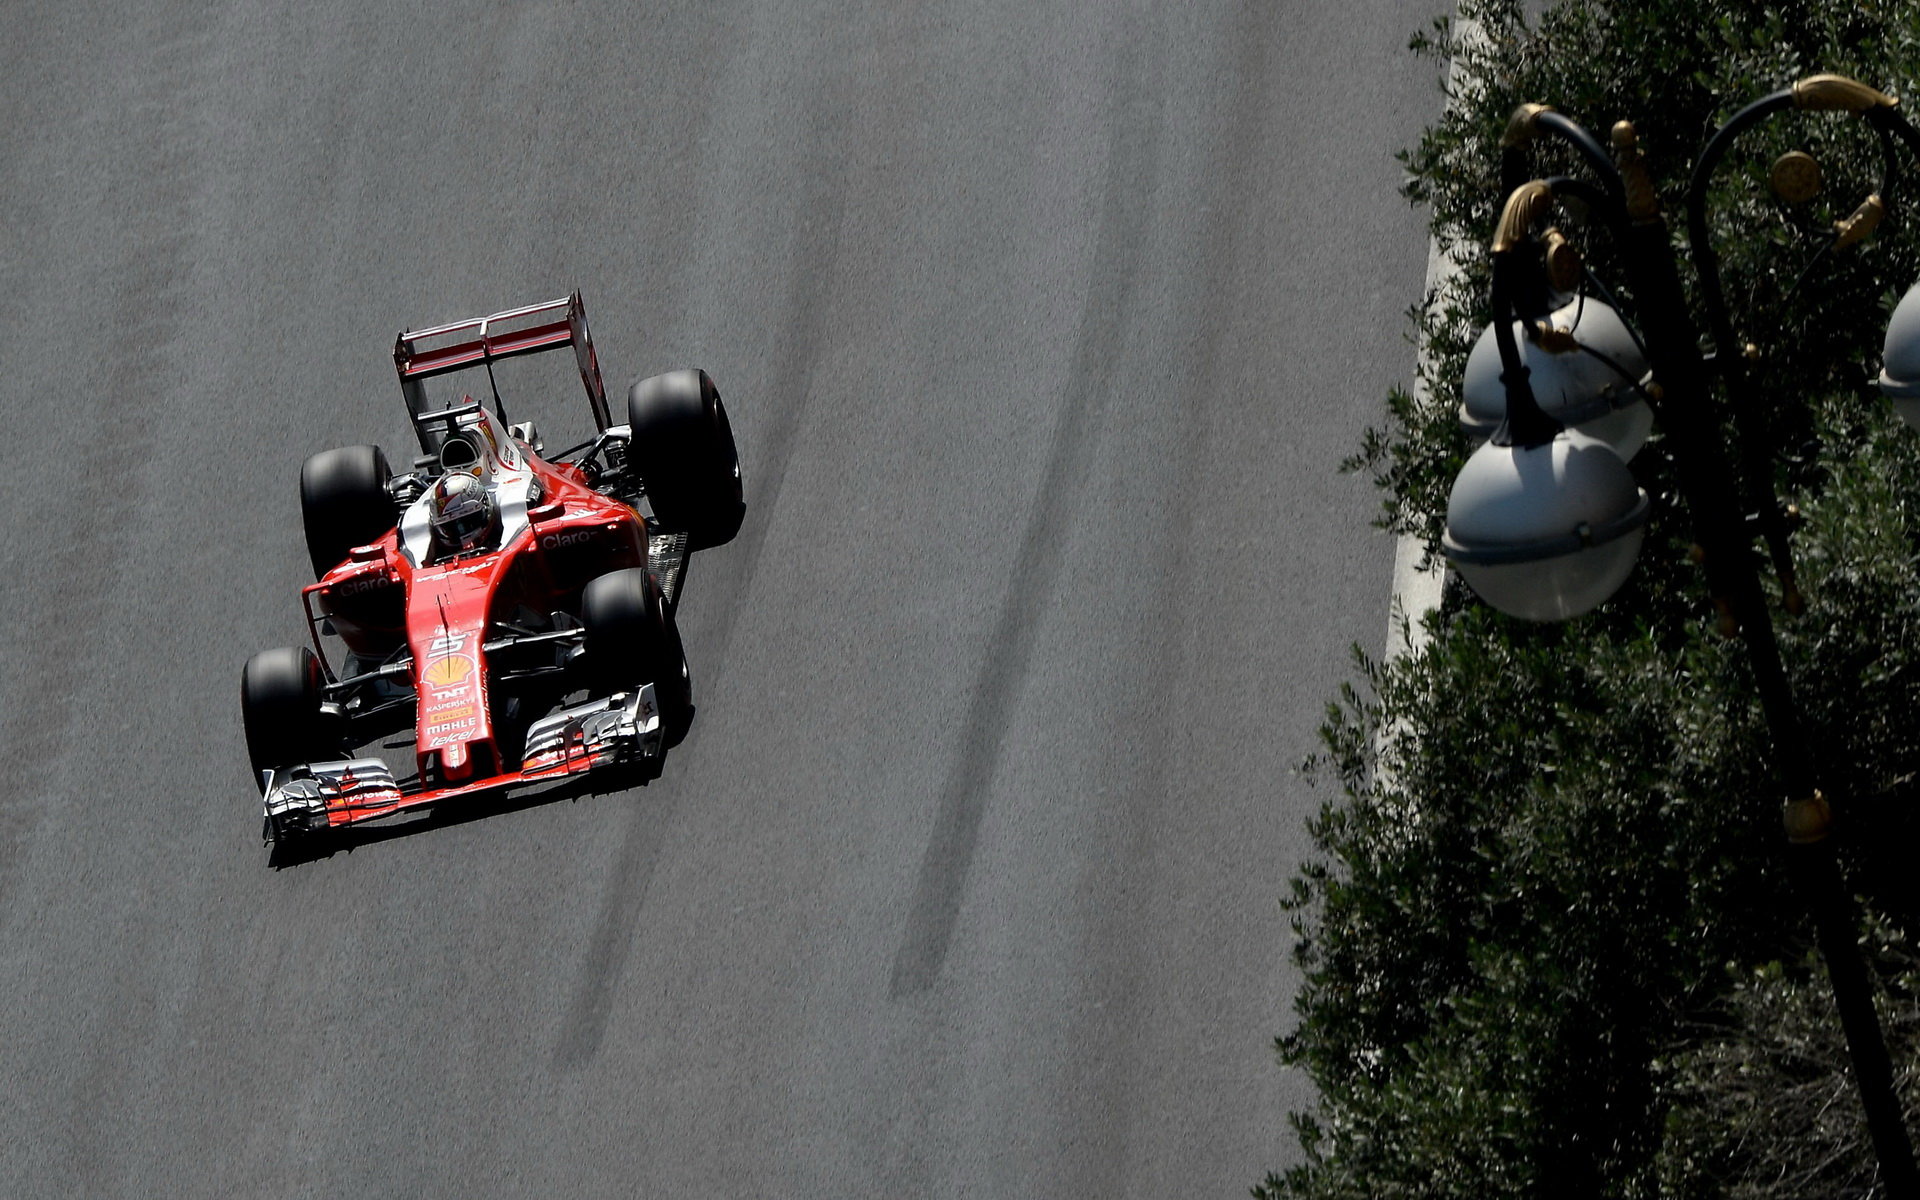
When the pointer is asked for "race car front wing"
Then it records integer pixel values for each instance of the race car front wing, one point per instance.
(315, 797)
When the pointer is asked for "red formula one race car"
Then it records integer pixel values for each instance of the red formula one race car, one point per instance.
(499, 616)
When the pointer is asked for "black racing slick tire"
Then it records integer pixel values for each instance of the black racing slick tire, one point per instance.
(280, 694)
(344, 502)
(631, 640)
(683, 448)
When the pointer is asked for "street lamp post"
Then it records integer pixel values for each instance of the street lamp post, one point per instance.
(1586, 525)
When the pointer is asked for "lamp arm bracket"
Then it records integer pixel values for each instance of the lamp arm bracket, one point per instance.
(1859, 225)
(1521, 128)
(1553, 339)
(1837, 93)
(1525, 206)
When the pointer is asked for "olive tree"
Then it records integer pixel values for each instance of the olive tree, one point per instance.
(1547, 941)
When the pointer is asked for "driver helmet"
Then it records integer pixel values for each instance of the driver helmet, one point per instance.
(463, 514)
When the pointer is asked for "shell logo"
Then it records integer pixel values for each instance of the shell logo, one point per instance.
(445, 672)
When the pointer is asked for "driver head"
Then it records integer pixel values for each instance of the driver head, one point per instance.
(464, 515)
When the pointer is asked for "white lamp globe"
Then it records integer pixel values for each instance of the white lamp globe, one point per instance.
(1574, 385)
(1900, 378)
(1545, 532)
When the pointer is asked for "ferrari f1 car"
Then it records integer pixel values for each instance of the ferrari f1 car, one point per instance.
(498, 615)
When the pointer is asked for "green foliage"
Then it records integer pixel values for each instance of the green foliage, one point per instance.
(1551, 842)
(1676, 69)
(1759, 1109)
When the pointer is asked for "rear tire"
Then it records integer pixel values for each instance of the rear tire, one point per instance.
(344, 502)
(683, 448)
(631, 640)
(280, 694)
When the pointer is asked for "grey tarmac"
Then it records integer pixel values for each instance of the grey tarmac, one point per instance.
(1043, 327)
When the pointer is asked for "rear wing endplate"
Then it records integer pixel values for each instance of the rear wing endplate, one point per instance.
(420, 354)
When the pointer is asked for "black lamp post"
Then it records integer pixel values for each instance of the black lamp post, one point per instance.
(1524, 570)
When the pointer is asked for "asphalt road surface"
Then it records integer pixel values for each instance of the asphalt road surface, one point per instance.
(1043, 326)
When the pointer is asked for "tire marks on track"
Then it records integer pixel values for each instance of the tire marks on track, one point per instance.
(818, 222)
(1132, 156)
(1146, 773)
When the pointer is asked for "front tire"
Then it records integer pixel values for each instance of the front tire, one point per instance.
(280, 694)
(683, 448)
(631, 639)
(344, 502)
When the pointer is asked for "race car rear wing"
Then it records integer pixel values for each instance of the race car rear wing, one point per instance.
(421, 354)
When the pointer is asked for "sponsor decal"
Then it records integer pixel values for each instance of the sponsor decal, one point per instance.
(448, 671)
(448, 695)
(450, 710)
(503, 450)
(556, 541)
(365, 583)
(448, 730)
